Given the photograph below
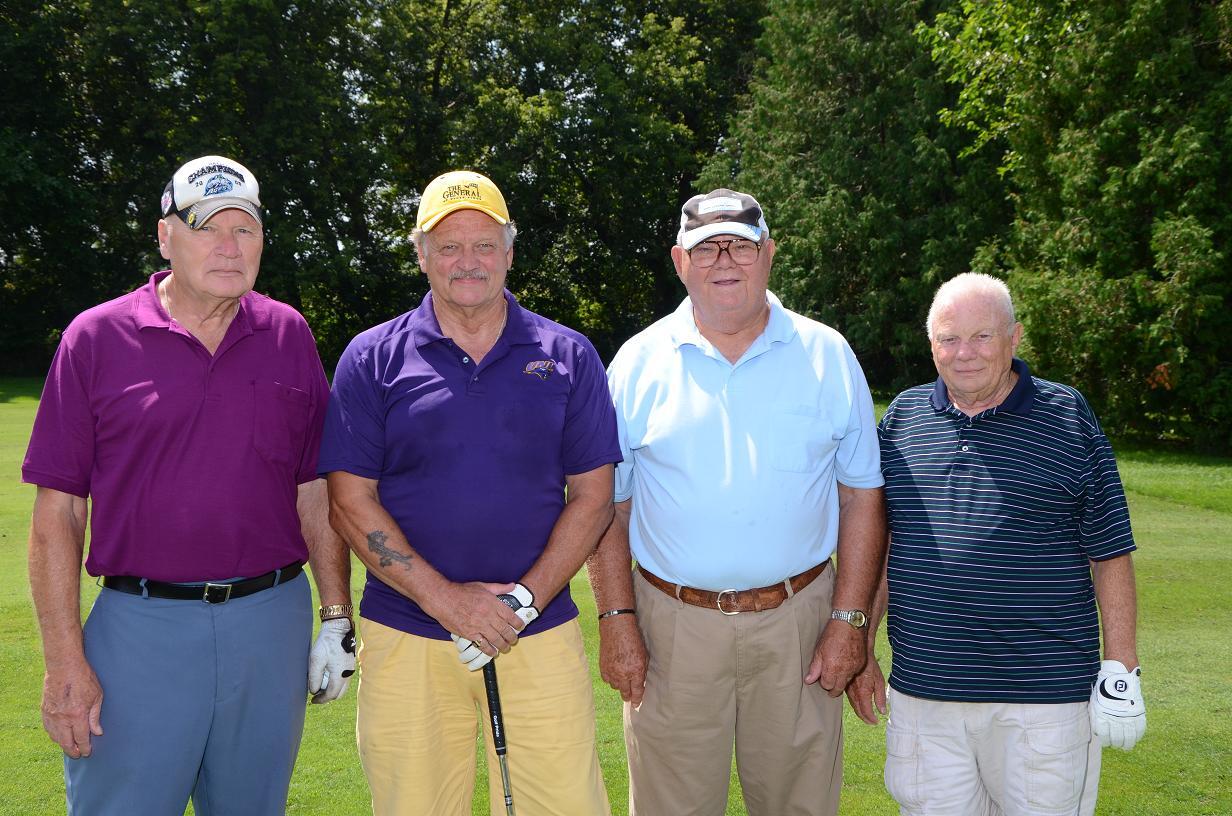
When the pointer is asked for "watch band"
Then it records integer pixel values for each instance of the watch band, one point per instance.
(336, 611)
(853, 617)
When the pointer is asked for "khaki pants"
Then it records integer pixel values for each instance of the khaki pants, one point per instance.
(987, 759)
(420, 711)
(716, 680)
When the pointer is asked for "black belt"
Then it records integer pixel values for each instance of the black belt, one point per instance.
(212, 592)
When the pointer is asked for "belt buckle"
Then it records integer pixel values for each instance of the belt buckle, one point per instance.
(718, 602)
(212, 590)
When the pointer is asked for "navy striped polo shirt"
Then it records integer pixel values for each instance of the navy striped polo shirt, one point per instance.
(992, 520)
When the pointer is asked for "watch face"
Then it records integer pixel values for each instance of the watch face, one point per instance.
(853, 616)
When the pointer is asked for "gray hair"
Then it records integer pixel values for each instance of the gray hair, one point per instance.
(418, 235)
(971, 283)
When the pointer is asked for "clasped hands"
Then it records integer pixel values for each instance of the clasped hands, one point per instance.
(495, 634)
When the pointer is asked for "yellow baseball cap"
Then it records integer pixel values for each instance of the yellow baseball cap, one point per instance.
(460, 190)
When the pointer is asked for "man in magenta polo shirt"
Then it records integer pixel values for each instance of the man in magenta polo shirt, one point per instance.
(184, 419)
(452, 434)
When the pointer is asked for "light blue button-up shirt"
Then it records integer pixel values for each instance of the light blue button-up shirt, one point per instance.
(733, 469)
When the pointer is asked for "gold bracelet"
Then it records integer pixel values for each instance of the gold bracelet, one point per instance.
(336, 611)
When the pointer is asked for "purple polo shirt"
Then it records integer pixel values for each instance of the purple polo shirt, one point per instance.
(470, 460)
(191, 461)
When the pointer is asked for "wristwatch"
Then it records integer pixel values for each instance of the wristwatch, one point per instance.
(855, 617)
(335, 611)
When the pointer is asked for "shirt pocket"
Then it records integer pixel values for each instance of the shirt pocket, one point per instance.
(280, 421)
(801, 438)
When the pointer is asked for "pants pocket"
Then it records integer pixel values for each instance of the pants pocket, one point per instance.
(902, 768)
(1056, 764)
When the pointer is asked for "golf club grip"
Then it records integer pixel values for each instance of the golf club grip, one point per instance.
(494, 708)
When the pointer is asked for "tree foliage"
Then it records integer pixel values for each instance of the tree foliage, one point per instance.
(598, 117)
(112, 96)
(1110, 124)
(1078, 148)
(593, 119)
(870, 202)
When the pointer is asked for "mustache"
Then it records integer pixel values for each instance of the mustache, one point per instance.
(468, 274)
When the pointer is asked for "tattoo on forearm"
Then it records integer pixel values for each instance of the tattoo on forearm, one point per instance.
(376, 543)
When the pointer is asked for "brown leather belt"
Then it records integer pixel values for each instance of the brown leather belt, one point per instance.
(733, 601)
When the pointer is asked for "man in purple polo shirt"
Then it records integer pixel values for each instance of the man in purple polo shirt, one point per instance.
(188, 413)
(452, 434)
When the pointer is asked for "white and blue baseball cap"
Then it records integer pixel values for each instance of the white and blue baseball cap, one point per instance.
(208, 185)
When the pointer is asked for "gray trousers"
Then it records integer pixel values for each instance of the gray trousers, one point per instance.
(199, 700)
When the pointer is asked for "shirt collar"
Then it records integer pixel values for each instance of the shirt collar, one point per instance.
(253, 313)
(519, 328)
(1019, 401)
(148, 310)
(779, 327)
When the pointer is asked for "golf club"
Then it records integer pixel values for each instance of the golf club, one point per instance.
(498, 730)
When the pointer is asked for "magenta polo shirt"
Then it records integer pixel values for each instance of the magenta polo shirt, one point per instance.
(191, 461)
(470, 459)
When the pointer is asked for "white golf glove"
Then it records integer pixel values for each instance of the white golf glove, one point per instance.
(1118, 712)
(332, 660)
(521, 601)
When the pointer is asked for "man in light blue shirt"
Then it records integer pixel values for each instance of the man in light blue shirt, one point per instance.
(750, 458)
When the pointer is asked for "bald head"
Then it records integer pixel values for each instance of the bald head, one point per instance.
(971, 286)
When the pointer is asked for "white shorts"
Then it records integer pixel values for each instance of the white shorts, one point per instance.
(968, 759)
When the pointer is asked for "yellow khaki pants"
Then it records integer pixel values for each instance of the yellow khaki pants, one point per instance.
(716, 680)
(420, 711)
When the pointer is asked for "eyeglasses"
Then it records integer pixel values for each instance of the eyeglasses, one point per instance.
(740, 250)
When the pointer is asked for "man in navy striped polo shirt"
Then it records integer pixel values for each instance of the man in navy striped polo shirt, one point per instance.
(1008, 526)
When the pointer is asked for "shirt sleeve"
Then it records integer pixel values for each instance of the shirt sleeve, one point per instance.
(624, 470)
(857, 461)
(1103, 527)
(61, 450)
(354, 436)
(589, 439)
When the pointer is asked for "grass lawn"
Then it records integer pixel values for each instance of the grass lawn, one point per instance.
(1182, 514)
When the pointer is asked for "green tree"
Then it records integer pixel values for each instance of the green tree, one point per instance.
(1109, 121)
(41, 197)
(592, 117)
(110, 97)
(867, 196)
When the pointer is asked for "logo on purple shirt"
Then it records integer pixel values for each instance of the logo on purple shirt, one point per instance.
(540, 368)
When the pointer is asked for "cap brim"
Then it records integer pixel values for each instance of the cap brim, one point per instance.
(695, 236)
(427, 226)
(197, 215)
